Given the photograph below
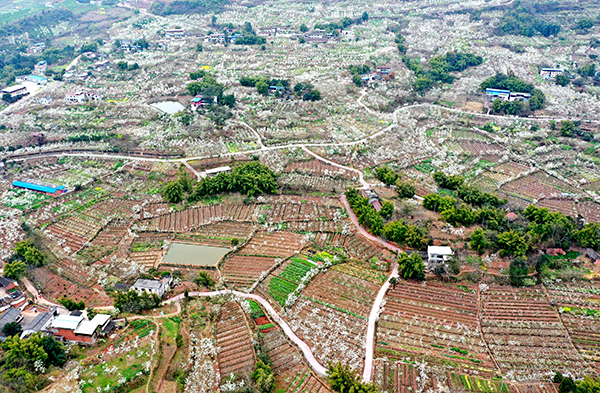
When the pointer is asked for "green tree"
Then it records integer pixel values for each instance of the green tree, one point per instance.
(55, 351)
(536, 102)
(263, 377)
(512, 243)
(585, 24)
(562, 80)
(588, 70)
(30, 253)
(344, 380)
(24, 353)
(568, 128)
(405, 189)
(71, 304)
(303, 28)
(173, 192)
(479, 242)
(199, 48)
(132, 302)
(387, 175)
(387, 209)
(312, 95)
(12, 329)
(411, 266)
(262, 87)
(518, 271)
(365, 16)
(567, 385)
(122, 65)
(15, 270)
(204, 279)
(589, 235)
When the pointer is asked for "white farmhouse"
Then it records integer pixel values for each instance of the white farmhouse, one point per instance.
(158, 287)
(437, 254)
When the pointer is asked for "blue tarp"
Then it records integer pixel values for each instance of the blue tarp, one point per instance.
(36, 187)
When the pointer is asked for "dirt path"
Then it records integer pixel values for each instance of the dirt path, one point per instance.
(316, 366)
(373, 316)
(363, 231)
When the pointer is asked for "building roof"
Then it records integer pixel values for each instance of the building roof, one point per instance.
(121, 287)
(218, 170)
(147, 284)
(497, 91)
(13, 89)
(87, 328)
(9, 316)
(39, 322)
(439, 250)
(551, 69)
(69, 322)
(37, 77)
(35, 187)
(5, 281)
(197, 99)
(76, 313)
(101, 319)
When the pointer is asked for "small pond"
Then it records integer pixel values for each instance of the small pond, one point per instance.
(170, 107)
(192, 254)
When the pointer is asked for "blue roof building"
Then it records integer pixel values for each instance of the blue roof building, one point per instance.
(39, 186)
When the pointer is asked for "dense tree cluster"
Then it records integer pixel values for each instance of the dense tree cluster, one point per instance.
(249, 36)
(344, 380)
(522, 19)
(390, 177)
(357, 71)
(180, 7)
(507, 82)
(250, 179)
(439, 68)
(401, 233)
(25, 361)
(365, 212)
(133, 302)
(411, 266)
(514, 84)
(263, 377)
(71, 304)
(26, 253)
(396, 231)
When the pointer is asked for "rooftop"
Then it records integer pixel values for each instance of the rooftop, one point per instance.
(38, 322)
(439, 250)
(9, 316)
(13, 89)
(69, 322)
(149, 284)
(35, 187)
(86, 328)
(101, 319)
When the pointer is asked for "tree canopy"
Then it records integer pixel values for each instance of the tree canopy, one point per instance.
(411, 266)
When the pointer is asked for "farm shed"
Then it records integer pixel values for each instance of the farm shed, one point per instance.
(215, 171)
(39, 186)
(15, 91)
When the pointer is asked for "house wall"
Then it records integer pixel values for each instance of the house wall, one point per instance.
(71, 336)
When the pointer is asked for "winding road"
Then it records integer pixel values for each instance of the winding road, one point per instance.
(316, 366)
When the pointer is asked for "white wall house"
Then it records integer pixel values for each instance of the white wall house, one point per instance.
(437, 254)
(158, 287)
